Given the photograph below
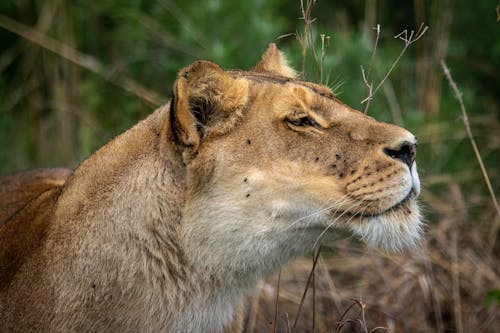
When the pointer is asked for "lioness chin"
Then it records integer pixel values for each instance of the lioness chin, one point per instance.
(171, 225)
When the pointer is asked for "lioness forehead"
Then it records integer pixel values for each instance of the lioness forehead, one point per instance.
(257, 77)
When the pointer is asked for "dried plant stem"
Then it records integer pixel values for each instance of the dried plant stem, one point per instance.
(288, 327)
(408, 39)
(341, 322)
(252, 315)
(275, 323)
(457, 308)
(325, 43)
(367, 76)
(369, 86)
(306, 39)
(377, 36)
(313, 301)
(465, 118)
(331, 284)
(436, 306)
(363, 318)
(80, 59)
(309, 279)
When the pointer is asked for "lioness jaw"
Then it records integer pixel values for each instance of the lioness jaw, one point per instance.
(171, 225)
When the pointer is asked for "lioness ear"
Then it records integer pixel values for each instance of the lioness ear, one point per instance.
(206, 100)
(274, 61)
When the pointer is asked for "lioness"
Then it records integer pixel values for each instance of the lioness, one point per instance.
(168, 227)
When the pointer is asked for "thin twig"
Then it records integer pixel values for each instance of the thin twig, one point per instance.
(341, 322)
(455, 278)
(275, 324)
(465, 119)
(80, 59)
(369, 86)
(377, 36)
(306, 39)
(288, 327)
(363, 318)
(313, 300)
(367, 76)
(408, 39)
(324, 48)
(306, 288)
(436, 306)
(253, 311)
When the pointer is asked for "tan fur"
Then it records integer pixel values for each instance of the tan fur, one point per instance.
(18, 189)
(170, 226)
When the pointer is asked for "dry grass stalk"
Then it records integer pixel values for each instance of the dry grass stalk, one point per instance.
(311, 274)
(423, 296)
(306, 38)
(456, 283)
(80, 59)
(366, 77)
(325, 43)
(408, 39)
(275, 323)
(496, 224)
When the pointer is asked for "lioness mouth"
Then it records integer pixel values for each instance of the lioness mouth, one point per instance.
(393, 208)
(410, 195)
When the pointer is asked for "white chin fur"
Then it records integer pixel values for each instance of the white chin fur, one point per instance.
(393, 232)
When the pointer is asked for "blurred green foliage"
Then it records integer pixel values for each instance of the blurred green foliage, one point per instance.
(493, 298)
(53, 112)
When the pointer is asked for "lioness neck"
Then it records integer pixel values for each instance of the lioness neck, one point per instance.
(148, 238)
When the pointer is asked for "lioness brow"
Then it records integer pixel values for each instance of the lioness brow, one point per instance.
(266, 78)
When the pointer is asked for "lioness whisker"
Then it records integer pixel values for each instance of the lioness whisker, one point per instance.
(335, 221)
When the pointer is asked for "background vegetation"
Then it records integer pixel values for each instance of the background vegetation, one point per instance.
(73, 74)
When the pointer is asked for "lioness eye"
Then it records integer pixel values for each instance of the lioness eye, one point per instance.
(303, 121)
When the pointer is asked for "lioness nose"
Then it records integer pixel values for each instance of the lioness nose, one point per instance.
(406, 152)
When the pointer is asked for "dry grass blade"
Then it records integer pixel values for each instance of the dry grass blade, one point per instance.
(313, 308)
(341, 322)
(377, 36)
(80, 59)
(362, 322)
(311, 274)
(456, 283)
(465, 119)
(408, 39)
(306, 39)
(275, 324)
(366, 77)
(325, 43)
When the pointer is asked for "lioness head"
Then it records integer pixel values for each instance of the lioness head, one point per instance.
(284, 161)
